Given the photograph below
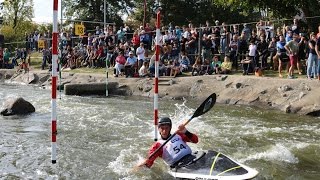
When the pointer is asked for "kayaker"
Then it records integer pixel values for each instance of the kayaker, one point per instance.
(176, 149)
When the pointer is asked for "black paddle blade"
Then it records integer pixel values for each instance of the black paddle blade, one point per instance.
(205, 106)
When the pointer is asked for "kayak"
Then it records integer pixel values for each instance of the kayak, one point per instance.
(208, 165)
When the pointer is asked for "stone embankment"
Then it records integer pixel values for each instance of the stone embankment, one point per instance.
(300, 96)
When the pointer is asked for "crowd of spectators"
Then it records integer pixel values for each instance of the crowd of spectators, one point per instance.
(216, 49)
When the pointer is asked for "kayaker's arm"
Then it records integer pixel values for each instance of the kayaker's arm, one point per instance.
(148, 162)
(186, 135)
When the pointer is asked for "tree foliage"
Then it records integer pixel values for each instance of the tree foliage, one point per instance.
(17, 11)
(279, 9)
(182, 12)
(93, 10)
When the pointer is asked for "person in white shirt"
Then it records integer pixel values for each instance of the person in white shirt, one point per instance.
(143, 71)
(140, 54)
(252, 52)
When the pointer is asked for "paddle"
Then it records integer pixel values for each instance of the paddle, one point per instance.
(202, 109)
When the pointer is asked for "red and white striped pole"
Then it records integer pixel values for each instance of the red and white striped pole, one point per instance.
(54, 82)
(156, 76)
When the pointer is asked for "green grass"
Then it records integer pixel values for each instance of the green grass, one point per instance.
(36, 61)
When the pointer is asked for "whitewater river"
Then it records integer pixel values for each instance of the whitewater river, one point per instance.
(103, 138)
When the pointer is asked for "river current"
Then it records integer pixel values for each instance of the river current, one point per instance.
(103, 138)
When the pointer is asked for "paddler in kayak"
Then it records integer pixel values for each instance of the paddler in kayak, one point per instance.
(176, 149)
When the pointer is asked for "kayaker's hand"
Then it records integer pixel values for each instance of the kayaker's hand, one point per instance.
(139, 166)
(181, 128)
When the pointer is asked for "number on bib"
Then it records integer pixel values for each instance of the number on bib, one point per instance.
(177, 149)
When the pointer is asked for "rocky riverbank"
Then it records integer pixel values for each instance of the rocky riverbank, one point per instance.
(300, 96)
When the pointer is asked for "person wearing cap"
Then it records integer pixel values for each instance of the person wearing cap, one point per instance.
(130, 64)
(176, 149)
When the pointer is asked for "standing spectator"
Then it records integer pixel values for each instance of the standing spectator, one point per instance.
(272, 48)
(36, 39)
(191, 46)
(263, 52)
(178, 33)
(289, 36)
(44, 58)
(235, 30)
(281, 53)
(17, 56)
(24, 54)
(148, 30)
(303, 46)
(48, 38)
(145, 39)
(223, 38)
(206, 47)
(269, 30)
(97, 31)
(253, 52)
(234, 45)
(293, 48)
(318, 53)
(120, 35)
(253, 37)
(186, 32)
(1, 57)
(246, 30)
(243, 46)
(318, 34)
(90, 39)
(174, 51)
(140, 53)
(260, 26)
(27, 41)
(135, 41)
(110, 54)
(31, 41)
(165, 37)
(6, 58)
(216, 37)
(295, 26)
(312, 64)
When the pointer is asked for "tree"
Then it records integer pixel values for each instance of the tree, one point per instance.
(92, 10)
(17, 11)
(279, 9)
(182, 12)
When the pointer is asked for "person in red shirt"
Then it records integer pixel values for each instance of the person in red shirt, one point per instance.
(120, 61)
(176, 149)
(100, 55)
(135, 41)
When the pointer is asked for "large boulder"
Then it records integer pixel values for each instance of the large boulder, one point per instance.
(17, 106)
